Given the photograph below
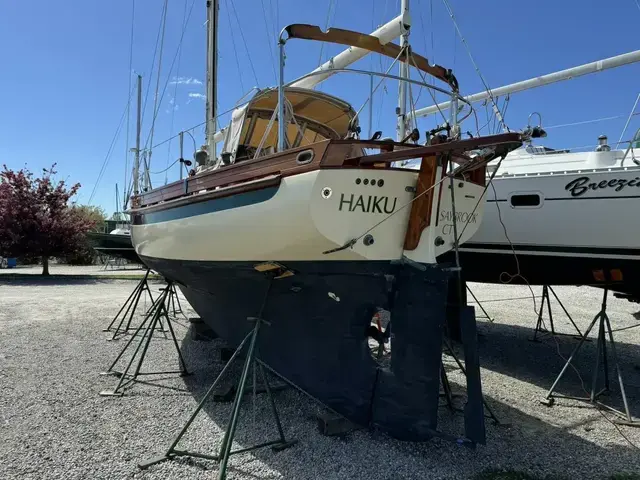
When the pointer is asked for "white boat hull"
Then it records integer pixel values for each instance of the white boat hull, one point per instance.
(310, 214)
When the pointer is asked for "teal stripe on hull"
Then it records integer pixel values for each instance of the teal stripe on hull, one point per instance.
(207, 206)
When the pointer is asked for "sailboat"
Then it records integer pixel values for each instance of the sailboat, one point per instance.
(301, 222)
(117, 242)
(560, 217)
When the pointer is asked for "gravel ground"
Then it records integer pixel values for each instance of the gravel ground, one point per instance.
(55, 425)
(55, 269)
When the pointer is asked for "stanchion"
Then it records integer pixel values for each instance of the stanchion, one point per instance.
(149, 326)
(604, 328)
(540, 327)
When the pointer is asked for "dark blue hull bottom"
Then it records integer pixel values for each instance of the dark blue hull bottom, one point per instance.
(317, 336)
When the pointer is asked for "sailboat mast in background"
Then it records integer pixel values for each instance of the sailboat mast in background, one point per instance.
(136, 150)
(212, 69)
(404, 73)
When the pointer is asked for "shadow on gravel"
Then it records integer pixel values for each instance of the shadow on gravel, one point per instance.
(508, 349)
(526, 443)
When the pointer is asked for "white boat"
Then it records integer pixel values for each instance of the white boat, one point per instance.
(557, 217)
(568, 216)
(305, 199)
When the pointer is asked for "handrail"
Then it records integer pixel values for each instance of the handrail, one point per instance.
(392, 77)
(636, 137)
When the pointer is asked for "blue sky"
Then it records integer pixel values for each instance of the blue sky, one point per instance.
(66, 72)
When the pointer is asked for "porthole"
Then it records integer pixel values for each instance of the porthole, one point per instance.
(304, 157)
(525, 200)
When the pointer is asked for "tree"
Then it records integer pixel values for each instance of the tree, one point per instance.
(35, 216)
(95, 217)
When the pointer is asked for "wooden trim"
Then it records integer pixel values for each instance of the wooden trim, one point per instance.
(283, 164)
(508, 141)
(372, 44)
(267, 182)
(421, 208)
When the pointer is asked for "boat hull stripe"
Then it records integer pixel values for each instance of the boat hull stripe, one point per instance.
(208, 206)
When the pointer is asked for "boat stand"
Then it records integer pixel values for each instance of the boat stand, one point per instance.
(540, 327)
(486, 315)
(173, 300)
(129, 308)
(225, 451)
(149, 326)
(604, 328)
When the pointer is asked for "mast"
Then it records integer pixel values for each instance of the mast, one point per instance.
(212, 69)
(136, 161)
(404, 73)
(587, 68)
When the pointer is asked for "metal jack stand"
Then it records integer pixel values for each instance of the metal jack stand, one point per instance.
(486, 315)
(540, 328)
(604, 327)
(225, 449)
(174, 300)
(150, 324)
(131, 305)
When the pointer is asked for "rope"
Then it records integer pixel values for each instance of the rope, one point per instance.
(353, 241)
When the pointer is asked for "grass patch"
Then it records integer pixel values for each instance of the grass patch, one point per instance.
(625, 476)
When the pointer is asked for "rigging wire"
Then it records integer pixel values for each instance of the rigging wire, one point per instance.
(269, 40)
(475, 65)
(107, 157)
(156, 105)
(235, 52)
(153, 64)
(126, 146)
(333, 4)
(166, 84)
(602, 119)
(175, 92)
(235, 13)
(424, 80)
(166, 169)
